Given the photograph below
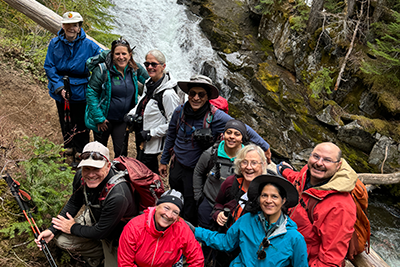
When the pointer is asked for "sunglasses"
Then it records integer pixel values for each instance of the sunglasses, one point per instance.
(200, 94)
(94, 155)
(153, 64)
(261, 254)
(120, 41)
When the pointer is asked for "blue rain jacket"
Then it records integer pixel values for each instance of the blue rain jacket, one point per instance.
(287, 244)
(65, 58)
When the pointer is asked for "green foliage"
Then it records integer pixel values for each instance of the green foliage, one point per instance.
(299, 20)
(42, 178)
(268, 6)
(383, 72)
(321, 81)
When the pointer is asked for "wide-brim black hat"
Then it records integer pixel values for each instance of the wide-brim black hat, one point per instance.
(292, 196)
(200, 81)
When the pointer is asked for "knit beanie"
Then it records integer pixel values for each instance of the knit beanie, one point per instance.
(237, 125)
(172, 196)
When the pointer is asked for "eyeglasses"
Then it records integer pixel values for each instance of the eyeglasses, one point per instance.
(253, 163)
(200, 94)
(120, 41)
(94, 155)
(261, 254)
(153, 64)
(317, 157)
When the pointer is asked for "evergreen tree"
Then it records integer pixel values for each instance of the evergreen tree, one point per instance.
(384, 71)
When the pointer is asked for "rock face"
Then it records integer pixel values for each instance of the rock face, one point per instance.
(271, 67)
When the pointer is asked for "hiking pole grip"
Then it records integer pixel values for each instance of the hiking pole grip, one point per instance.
(226, 211)
(67, 87)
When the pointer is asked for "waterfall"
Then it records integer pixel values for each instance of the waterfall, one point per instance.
(170, 28)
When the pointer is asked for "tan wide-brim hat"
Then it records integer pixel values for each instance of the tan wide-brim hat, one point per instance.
(95, 147)
(71, 17)
(200, 81)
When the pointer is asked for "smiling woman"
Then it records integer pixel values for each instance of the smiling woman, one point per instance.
(272, 231)
(112, 92)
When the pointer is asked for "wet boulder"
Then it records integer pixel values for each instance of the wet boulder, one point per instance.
(385, 152)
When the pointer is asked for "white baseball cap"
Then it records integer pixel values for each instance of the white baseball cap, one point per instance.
(71, 17)
(90, 155)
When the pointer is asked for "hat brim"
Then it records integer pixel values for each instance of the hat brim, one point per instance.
(92, 163)
(292, 196)
(184, 85)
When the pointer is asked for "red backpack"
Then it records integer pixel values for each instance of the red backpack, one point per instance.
(360, 240)
(146, 185)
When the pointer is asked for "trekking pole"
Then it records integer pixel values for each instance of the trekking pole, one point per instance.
(67, 116)
(227, 212)
(18, 193)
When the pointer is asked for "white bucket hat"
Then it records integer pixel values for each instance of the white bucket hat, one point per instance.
(71, 17)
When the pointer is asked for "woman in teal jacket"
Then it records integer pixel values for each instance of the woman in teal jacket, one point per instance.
(111, 93)
(266, 236)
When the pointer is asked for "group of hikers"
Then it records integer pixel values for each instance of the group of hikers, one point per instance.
(228, 203)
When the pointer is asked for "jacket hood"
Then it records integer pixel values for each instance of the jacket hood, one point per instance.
(150, 223)
(344, 179)
(81, 36)
(167, 83)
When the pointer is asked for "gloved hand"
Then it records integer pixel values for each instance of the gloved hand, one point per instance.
(191, 226)
(129, 119)
(145, 135)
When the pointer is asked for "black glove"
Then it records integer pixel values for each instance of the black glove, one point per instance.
(191, 226)
(129, 119)
(58, 90)
(145, 135)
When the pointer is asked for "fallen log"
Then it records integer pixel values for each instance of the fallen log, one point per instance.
(368, 260)
(42, 15)
(376, 178)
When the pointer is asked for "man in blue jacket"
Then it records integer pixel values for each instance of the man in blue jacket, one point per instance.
(190, 128)
(66, 56)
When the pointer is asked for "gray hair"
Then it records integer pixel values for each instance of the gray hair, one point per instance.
(158, 55)
(242, 154)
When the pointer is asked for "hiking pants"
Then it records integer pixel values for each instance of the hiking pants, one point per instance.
(117, 130)
(92, 251)
(181, 179)
(204, 214)
(77, 128)
(150, 160)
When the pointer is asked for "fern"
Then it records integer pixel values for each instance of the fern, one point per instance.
(321, 81)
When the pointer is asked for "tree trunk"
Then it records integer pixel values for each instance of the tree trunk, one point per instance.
(42, 15)
(372, 178)
(350, 8)
(315, 18)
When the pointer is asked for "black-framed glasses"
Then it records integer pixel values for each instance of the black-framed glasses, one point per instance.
(261, 254)
(120, 41)
(200, 94)
(94, 155)
(153, 64)
(317, 157)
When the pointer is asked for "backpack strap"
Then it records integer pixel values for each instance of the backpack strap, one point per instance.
(159, 98)
(103, 71)
(209, 116)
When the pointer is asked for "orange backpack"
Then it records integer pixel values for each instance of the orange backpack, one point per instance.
(360, 239)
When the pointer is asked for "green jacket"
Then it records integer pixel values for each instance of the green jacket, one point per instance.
(98, 95)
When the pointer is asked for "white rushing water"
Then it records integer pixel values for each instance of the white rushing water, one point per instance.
(164, 25)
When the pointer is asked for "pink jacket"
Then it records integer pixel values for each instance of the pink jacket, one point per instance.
(334, 215)
(142, 245)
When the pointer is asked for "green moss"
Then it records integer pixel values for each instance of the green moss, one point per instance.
(297, 128)
(234, 111)
(270, 82)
